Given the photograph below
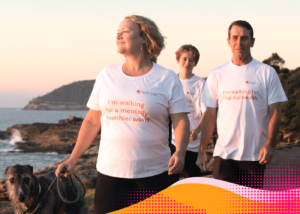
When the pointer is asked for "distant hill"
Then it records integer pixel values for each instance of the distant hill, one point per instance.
(68, 97)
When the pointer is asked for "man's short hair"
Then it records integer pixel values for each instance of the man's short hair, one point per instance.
(190, 48)
(241, 23)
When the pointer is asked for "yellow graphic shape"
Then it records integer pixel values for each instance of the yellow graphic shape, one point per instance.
(203, 198)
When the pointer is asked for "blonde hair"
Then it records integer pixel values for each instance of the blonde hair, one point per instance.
(155, 42)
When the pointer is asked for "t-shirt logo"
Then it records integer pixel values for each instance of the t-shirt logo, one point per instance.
(189, 93)
(253, 83)
(146, 93)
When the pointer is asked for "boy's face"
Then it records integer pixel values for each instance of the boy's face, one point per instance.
(186, 62)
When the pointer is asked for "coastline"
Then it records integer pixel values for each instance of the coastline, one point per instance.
(61, 138)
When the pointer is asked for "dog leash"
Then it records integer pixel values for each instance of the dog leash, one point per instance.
(33, 208)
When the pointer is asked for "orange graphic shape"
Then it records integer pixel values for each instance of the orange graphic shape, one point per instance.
(203, 198)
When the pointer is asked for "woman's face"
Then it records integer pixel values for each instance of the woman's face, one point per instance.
(129, 41)
(186, 62)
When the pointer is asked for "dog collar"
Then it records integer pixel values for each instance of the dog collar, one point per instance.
(32, 208)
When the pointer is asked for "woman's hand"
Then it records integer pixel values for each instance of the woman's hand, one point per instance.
(176, 163)
(68, 164)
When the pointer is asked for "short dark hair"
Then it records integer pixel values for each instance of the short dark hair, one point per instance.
(190, 48)
(241, 23)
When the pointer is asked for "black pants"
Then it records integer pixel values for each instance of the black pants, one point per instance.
(116, 193)
(246, 173)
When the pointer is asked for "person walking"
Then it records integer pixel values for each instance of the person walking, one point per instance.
(187, 56)
(131, 102)
(244, 97)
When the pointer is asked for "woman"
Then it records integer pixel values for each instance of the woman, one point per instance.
(131, 102)
(187, 57)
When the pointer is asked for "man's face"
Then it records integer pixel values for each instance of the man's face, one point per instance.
(240, 41)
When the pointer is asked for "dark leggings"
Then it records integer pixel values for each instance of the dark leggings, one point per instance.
(245, 173)
(116, 193)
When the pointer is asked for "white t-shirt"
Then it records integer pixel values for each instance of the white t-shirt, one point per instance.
(193, 90)
(134, 121)
(242, 95)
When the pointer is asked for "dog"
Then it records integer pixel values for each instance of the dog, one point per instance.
(25, 191)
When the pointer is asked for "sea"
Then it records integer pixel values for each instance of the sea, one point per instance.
(9, 155)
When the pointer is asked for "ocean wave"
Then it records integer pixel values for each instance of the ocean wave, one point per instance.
(11, 150)
(15, 137)
(52, 153)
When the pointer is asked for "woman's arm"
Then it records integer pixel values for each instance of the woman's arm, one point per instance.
(181, 126)
(87, 133)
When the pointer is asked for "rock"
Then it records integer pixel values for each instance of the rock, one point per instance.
(49, 137)
(72, 117)
(289, 135)
(92, 151)
(5, 135)
(6, 208)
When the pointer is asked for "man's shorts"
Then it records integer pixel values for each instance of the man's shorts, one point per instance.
(246, 173)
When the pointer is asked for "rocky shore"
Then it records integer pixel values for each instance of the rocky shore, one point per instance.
(47, 137)
(61, 138)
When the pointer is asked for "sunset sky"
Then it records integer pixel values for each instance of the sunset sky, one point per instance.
(46, 44)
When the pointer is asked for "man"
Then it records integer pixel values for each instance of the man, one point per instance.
(244, 96)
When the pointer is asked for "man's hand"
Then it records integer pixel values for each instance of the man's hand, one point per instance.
(202, 161)
(194, 134)
(176, 163)
(266, 154)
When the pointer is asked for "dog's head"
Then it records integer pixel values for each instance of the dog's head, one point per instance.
(19, 182)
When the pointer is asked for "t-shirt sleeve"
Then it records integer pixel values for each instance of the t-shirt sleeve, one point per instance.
(210, 94)
(93, 102)
(202, 105)
(177, 103)
(276, 93)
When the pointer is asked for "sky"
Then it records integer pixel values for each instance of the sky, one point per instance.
(50, 43)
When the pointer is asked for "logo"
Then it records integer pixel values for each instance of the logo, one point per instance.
(189, 93)
(146, 93)
(253, 83)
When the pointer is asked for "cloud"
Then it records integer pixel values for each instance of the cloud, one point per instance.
(17, 99)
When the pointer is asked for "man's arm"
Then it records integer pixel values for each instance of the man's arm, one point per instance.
(194, 133)
(181, 126)
(266, 153)
(207, 129)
